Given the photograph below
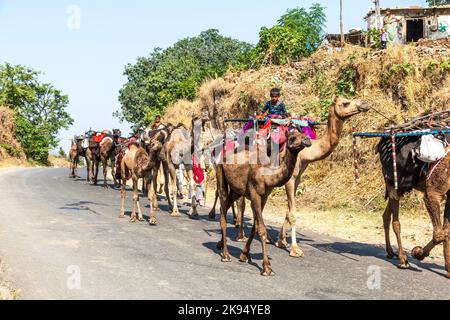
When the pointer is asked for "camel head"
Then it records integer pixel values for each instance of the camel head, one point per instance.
(156, 144)
(297, 141)
(345, 108)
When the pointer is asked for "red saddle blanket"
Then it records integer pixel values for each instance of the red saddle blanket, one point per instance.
(99, 137)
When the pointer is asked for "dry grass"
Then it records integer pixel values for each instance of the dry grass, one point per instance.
(58, 162)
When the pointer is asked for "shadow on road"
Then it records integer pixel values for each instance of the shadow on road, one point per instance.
(81, 206)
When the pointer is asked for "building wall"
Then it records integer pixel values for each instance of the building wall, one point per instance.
(435, 27)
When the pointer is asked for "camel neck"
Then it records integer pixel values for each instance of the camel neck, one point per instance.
(324, 146)
(280, 176)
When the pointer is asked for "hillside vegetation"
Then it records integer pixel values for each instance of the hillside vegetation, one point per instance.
(400, 83)
(11, 152)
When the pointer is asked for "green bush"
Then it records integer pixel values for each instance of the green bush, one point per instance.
(13, 152)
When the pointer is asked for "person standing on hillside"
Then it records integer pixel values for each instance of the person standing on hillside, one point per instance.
(390, 25)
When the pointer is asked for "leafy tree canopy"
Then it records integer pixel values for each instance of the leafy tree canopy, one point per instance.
(298, 34)
(438, 2)
(40, 109)
(175, 73)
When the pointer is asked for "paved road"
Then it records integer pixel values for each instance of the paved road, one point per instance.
(52, 227)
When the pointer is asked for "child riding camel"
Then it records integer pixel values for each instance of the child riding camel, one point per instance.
(274, 108)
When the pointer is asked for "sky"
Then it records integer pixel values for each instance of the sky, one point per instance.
(83, 46)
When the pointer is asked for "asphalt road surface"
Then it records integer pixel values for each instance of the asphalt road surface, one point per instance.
(62, 239)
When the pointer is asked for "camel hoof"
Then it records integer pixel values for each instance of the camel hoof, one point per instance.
(226, 258)
(282, 244)
(242, 239)
(141, 219)
(403, 266)
(244, 258)
(417, 253)
(296, 252)
(175, 214)
(157, 209)
(153, 222)
(267, 272)
(133, 221)
(121, 216)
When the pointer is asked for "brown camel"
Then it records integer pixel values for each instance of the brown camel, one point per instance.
(141, 165)
(340, 110)
(102, 152)
(255, 182)
(412, 174)
(76, 151)
(437, 186)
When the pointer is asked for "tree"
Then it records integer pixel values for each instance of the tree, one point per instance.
(298, 34)
(438, 2)
(40, 109)
(175, 73)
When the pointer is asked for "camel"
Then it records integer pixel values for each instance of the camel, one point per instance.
(141, 165)
(340, 110)
(412, 175)
(76, 151)
(176, 151)
(106, 150)
(255, 182)
(437, 186)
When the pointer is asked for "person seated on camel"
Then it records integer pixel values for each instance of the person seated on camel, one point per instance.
(274, 108)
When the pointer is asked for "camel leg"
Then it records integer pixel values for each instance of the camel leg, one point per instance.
(291, 220)
(212, 213)
(282, 240)
(433, 205)
(136, 204)
(123, 190)
(105, 173)
(240, 220)
(151, 198)
(167, 185)
(447, 240)
(225, 203)
(245, 254)
(394, 207)
(193, 211)
(155, 187)
(113, 170)
(258, 206)
(72, 167)
(96, 169)
(173, 191)
(88, 169)
(387, 220)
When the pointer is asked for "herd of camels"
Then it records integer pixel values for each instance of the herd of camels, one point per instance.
(170, 147)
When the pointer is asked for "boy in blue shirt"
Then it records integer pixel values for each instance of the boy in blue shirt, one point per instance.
(274, 108)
